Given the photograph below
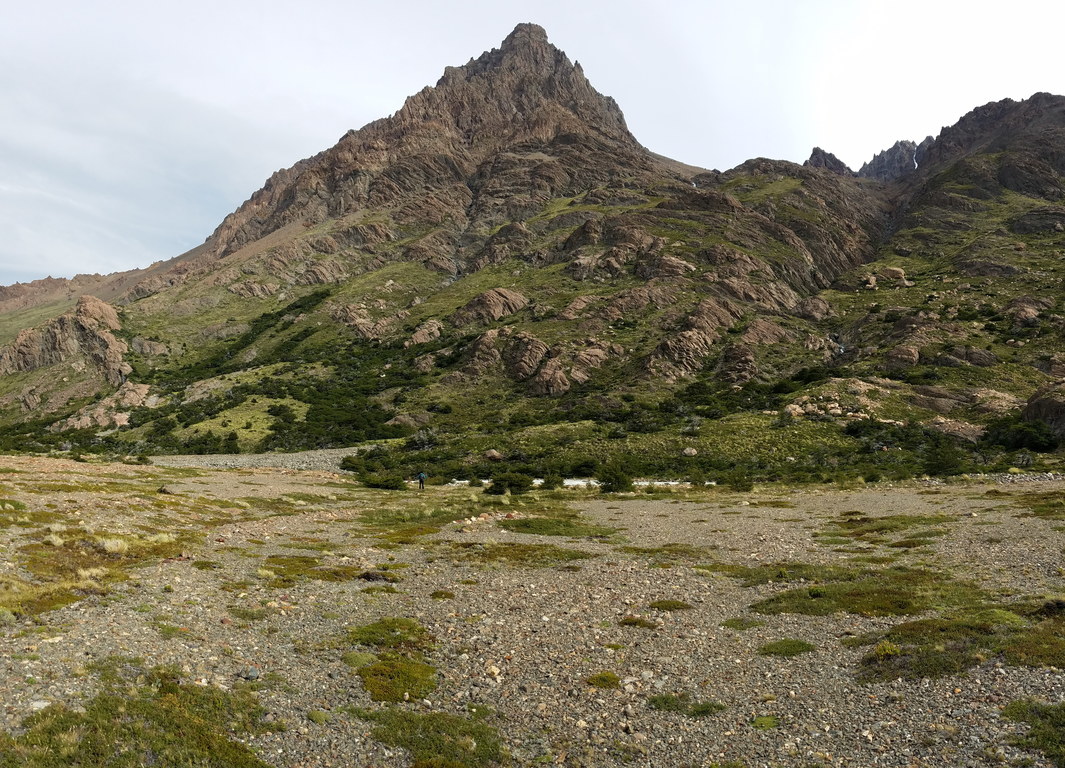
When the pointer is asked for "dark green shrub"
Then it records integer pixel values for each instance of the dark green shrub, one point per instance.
(386, 481)
(1014, 433)
(514, 482)
(614, 478)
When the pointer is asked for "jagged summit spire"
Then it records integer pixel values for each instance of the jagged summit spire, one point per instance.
(526, 34)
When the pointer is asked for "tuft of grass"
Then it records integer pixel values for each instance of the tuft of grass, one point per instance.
(398, 677)
(742, 623)
(437, 739)
(765, 722)
(772, 573)
(147, 717)
(637, 621)
(1046, 727)
(442, 594)
(248, 614)
(787, 647)
(392, 634)
(668, 702)
(529, 555)
(558, 525)
(670, 605)
(890, 592)
(604, 679)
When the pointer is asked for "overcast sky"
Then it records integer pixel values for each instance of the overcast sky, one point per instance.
(131, 128)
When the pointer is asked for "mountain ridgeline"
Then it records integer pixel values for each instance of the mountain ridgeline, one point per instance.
(500, 277)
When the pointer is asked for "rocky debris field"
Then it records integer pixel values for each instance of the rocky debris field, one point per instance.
(290, 617)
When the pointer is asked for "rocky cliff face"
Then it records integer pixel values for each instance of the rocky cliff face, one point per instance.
(82, 335)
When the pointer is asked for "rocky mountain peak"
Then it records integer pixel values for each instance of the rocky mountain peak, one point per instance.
(525, 89)
(525, 98)
(819, 158)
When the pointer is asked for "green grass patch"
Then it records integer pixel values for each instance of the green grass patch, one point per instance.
(1046, 727)
(398, 677)
(889, 592)
(787, 647)
(392, 634)
(765, 722)
(1023, 635)
(604, 679)
(682, 703)
(437, 739)
(140, 718)
(569, 525)
(670, 605)
(637, 621)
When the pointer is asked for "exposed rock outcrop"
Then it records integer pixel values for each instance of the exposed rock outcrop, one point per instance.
(489, 306)
(84, 334)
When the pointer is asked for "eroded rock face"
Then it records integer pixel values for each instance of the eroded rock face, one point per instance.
(891, 164)
(82, 334)
(490, 306)
(523, 355)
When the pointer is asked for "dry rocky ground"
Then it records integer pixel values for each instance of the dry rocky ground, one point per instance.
(520, 627)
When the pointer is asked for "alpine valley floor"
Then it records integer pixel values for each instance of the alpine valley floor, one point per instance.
(251, 616)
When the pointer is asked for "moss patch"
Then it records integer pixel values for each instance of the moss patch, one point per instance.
(1046, 727)
(786, 647)
(142, 717)
(397, 677)
(438, 739)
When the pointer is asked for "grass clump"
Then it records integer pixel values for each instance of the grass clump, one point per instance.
(771, 573)
(392, 634)
(288, 570)
(398, 677)
(604, 679)
(742, 623)
(890, 592)
(637, 621)
(682, 703)
(1046, 727)
(437, 739)
(1022, 635)
(765, 722)
(670, 605)
(399, 673)
(787, 647)
(142, 717)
